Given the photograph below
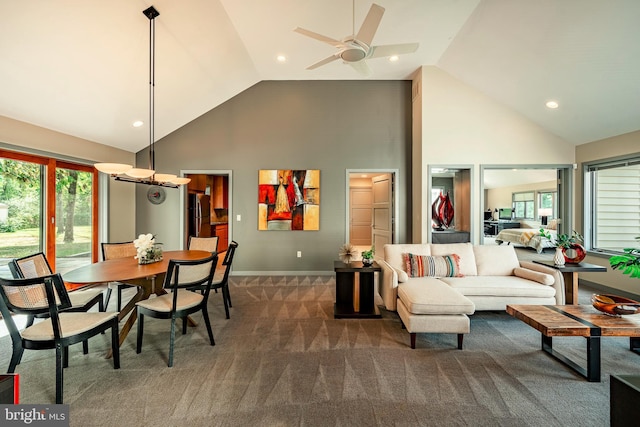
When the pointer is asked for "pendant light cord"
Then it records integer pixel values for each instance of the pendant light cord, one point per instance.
(152, 80)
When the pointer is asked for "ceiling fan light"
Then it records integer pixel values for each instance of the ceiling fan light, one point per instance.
(180, 180)
(113, 168)
(140, 173)
(354, 54)
(164, 177)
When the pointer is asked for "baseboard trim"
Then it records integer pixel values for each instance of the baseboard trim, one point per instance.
(607, 290)
(282, 273)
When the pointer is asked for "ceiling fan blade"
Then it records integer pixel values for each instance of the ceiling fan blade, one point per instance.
(370, 24)
(324, 61)
(320, 37)
(361, 67)
(392, 49)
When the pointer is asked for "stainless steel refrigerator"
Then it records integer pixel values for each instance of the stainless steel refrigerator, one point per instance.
(199, 215)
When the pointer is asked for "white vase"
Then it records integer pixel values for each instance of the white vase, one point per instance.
(558, 258)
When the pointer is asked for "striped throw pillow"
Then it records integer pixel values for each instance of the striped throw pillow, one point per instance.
(432, 266)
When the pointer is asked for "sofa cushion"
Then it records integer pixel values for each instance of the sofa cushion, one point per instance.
(498, 286)
(393, 253)
(428, 295)
(463, 250)
(432, 266)
(536, 276)
(493, 260)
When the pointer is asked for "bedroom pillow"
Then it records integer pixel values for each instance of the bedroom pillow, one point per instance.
(432, 266)
(536, 276)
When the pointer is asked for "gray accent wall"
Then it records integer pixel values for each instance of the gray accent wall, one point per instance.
(327, 125)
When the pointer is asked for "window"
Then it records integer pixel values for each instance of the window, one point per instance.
(612, 204)
(47, 205)
(523, 205)
(547, 204)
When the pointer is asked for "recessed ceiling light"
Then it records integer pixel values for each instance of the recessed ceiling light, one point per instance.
(138, 123)
(281, 58)
(393, 58)
(552, 104)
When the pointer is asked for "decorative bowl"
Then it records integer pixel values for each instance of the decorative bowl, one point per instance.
(614, 305)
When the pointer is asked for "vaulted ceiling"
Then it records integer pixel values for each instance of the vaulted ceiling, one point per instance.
(81, 66)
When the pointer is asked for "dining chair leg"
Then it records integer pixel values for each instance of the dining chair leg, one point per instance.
(16, 357)
(184, 325)
(140, 323)
(60, 355)
(119, 298)
(172, 339)
(107, 297)
(65, 357)
(205, 316)
(30, 320)
(115, 344)
(85, 347)
(226, 288)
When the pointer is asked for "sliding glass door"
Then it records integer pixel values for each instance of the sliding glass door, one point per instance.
(74, 216)
(47, 205)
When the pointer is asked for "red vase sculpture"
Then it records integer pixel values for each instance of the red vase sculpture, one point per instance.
(445, 210)
(434, 214)
(574, 254)
(442, 212)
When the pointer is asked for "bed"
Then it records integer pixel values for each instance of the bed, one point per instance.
(528, 237)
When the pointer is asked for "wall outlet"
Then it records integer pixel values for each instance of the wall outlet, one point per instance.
(299, 254)
(238, 218)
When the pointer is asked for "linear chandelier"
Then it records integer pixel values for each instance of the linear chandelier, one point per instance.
(127, 173)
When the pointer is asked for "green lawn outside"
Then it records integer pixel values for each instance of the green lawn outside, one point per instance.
(25, 242)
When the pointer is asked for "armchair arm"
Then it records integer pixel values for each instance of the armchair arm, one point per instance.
(389, 288)
(558, 283)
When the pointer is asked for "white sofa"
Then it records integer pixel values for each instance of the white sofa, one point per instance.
(491, 277)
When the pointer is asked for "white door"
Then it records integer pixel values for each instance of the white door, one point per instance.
(382, 230)
(360, 201)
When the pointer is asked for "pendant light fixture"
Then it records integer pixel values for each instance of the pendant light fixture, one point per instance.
(127, 173)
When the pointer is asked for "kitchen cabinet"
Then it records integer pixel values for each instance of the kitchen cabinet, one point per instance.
(222, 231)
(198, 184)
(220, 192)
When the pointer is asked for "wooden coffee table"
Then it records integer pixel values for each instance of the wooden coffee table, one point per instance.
(578, 321)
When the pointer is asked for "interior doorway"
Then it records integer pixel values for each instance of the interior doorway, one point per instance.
(525, 197)
(208, 206)
(371, 209)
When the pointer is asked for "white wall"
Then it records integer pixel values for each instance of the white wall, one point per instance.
(461, 125)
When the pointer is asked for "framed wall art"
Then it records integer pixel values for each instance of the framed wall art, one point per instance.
(289, 199)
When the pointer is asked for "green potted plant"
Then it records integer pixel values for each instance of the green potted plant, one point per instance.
(628, 263)
(569, 248)
(367, 256)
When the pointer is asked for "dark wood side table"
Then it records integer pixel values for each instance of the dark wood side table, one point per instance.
(355, 290)
(570, 276)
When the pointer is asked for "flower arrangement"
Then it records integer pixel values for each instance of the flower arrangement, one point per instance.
(148, 250)
(563, 240)
(367, 256)
(347, 253)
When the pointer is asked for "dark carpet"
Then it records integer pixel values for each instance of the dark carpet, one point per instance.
(283, 360)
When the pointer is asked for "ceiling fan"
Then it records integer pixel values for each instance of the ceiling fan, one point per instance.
(354, 49)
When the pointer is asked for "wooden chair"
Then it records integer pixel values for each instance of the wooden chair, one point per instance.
(113, 251)
(36, 265)
(221, 280)
(47, 296)
(188, 284)
(209, 244)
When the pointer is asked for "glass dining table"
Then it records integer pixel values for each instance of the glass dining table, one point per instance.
(148, 279)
